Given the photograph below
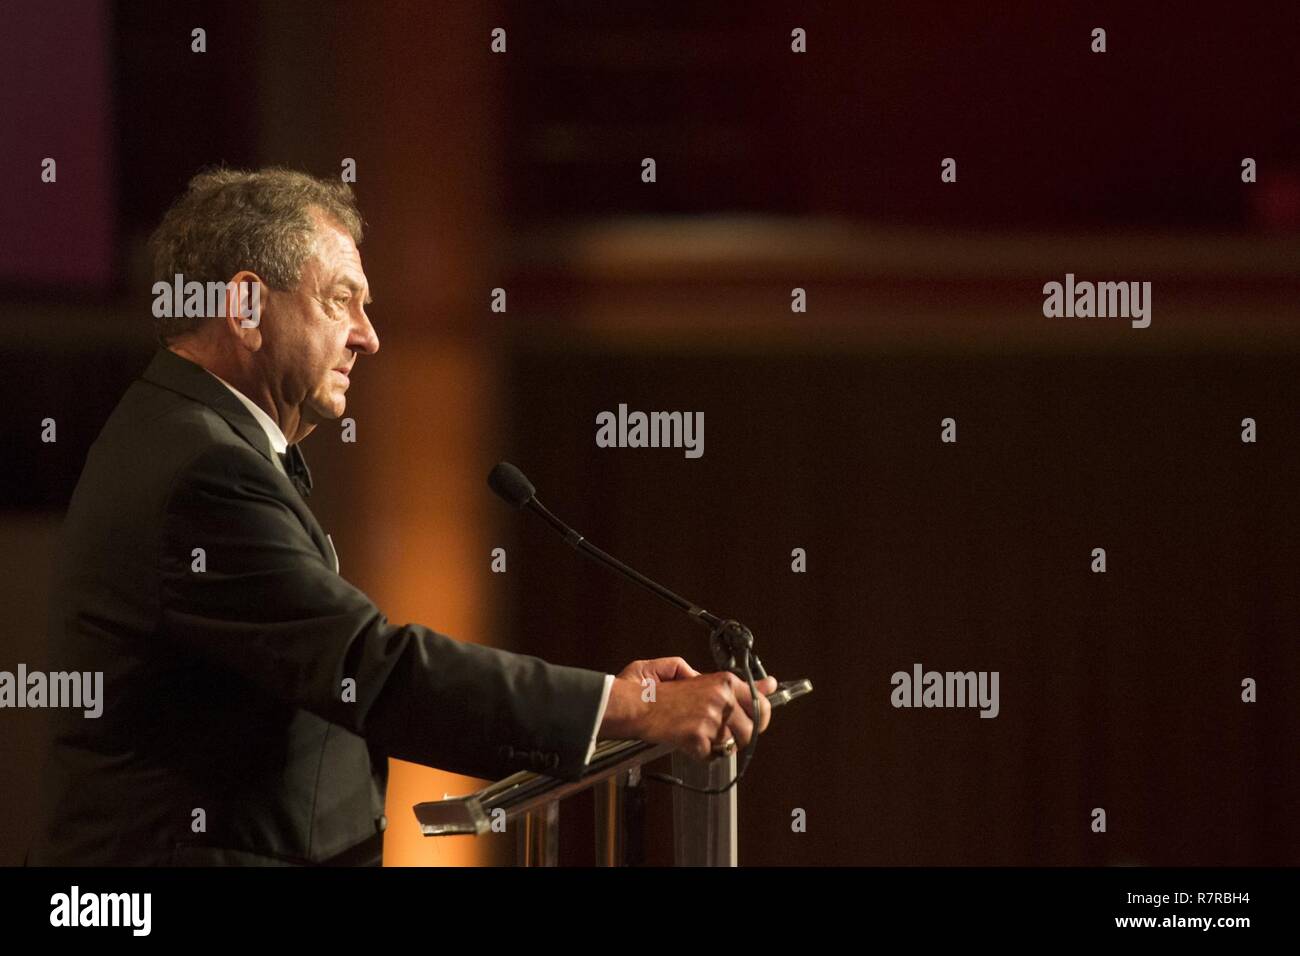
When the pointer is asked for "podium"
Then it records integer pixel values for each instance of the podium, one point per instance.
(704, 825)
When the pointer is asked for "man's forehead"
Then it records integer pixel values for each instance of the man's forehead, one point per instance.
(334, 243)
(336, 257)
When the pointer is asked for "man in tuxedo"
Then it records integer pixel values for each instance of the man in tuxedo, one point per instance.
(252, 695)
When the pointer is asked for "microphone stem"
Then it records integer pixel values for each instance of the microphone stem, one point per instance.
(579, 543)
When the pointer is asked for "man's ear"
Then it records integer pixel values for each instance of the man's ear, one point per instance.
(244, 297)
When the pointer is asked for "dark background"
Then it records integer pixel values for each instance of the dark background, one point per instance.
(522, 171)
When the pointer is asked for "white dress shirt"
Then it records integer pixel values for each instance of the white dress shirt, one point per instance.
(279, 445)
(600, 715)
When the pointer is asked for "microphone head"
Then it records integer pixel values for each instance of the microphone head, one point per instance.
(510, 484)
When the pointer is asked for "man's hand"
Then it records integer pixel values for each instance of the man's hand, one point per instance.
(667, 701)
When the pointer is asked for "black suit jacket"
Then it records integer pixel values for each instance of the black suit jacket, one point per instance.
(223, 688)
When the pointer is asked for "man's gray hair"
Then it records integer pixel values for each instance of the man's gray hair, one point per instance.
(230, 220)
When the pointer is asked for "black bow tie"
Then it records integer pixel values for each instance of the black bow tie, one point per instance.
(297, 468)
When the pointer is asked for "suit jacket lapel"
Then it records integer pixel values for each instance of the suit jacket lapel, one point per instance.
(181, 375)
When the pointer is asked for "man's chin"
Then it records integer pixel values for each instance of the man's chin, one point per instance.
(318, 413)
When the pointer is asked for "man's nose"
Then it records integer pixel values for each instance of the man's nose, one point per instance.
(363, 337)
